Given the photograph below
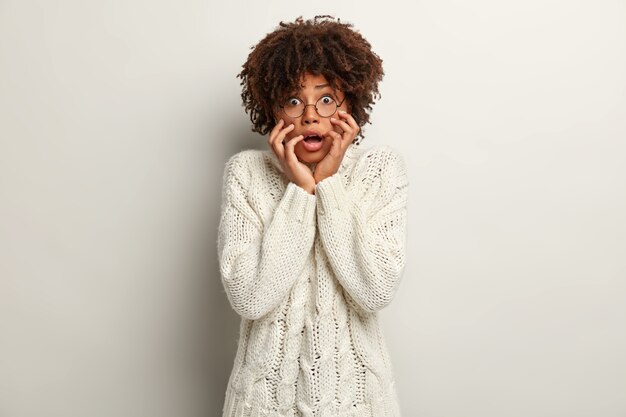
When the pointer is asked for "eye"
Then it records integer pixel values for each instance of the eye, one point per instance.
(292, 101)
(327, 100)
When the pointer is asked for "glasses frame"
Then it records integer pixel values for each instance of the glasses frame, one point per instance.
(337, 105)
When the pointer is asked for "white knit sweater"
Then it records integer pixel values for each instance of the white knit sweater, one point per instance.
(308, 273)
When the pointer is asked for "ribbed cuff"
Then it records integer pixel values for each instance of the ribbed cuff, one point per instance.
(331, 193)
(300, 204)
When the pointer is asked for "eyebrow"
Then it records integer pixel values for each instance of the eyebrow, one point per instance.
(319, 86)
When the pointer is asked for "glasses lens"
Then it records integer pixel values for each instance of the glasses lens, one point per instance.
(293, 107)
(326, 106)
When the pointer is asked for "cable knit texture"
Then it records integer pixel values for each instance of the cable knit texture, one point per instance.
(308, 274)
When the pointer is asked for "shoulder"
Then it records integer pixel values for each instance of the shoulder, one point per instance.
(240, 170)
(382, 154)
(247, 157)
(380, 160)
(254, 171)
(377, 176)
(244, 163)
(259, 162)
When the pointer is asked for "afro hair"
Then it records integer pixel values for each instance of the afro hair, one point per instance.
(321, 46)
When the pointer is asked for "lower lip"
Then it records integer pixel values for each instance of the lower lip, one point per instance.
(312, 146)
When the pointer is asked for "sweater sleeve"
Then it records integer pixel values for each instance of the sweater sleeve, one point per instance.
(365, 237)
(261, 260)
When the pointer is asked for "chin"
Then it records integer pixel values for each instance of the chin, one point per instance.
(311, 157)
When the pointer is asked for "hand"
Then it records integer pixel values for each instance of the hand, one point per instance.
(331, 162)
(296, 171)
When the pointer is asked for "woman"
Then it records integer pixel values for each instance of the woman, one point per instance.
(311, 239)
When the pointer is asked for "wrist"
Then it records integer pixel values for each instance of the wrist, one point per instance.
(319, 176)
(309, 188)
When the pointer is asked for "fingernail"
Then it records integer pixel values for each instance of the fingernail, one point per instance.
(342, 111)
(333, 119)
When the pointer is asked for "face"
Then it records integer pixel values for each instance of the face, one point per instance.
(313, 88)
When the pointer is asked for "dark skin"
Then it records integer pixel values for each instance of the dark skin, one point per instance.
(337, 132)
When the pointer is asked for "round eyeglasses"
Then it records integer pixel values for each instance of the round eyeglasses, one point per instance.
(325, 106)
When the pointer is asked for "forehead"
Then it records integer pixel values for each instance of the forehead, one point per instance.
(313, 82)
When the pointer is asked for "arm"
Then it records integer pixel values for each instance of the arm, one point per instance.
(365, 241)
(260, 262)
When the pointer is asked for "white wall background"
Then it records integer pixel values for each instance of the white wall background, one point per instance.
(116, 119)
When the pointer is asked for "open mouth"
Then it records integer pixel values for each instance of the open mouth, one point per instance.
(312, 143)
(313, 139)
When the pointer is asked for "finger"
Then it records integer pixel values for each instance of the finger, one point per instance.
(273, 139)
(347, 129)
(343, 141)
(348, 117)
(334, 135)
(282, 135)
(353, 124)
(335, 148)
(275, 131)
(278, 142)
(290, 149)
(283, 132)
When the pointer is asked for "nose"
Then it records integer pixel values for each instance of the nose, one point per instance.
(310, 115)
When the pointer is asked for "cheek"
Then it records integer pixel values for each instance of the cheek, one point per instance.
(337, 128)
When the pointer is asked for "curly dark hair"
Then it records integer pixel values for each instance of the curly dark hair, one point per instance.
(323, 46)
